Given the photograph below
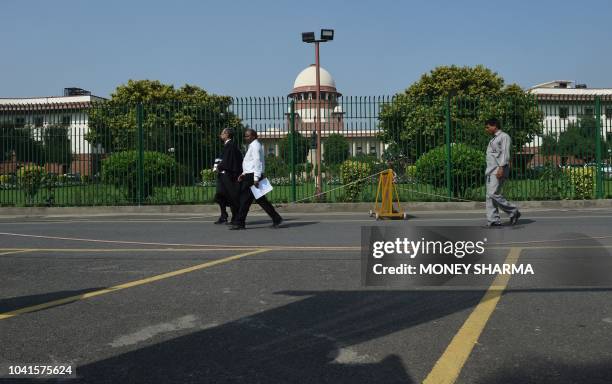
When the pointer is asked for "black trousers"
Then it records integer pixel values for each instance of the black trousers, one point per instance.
(246, 199)
(227, 195)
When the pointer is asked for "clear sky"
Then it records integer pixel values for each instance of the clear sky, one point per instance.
(254, 48)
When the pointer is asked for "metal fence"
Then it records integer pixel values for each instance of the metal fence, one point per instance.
(162, 153)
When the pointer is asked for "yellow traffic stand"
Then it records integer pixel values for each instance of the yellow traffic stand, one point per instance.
(385, 194)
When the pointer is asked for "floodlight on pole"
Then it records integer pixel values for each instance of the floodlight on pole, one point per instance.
(308, 37)
(327, 34)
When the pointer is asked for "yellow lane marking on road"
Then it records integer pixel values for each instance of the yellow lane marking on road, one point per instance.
(72, 250)
(130, 284)
(13, 251)
(449, 365)
(279, 247)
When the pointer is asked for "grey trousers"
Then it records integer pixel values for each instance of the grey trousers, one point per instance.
(495, 200)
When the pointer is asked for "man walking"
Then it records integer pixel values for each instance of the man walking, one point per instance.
(498, 170)
(253, 167)
(229, 168)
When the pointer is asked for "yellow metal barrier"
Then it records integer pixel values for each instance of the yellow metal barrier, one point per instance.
(385, 194)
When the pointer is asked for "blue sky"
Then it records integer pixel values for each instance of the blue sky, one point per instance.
(254, 48)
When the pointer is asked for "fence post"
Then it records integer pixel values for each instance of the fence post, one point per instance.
(598, 173)
(140, 167)
(447, 135)
(292, 148)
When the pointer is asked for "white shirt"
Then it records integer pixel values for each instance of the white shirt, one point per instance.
(253, 161)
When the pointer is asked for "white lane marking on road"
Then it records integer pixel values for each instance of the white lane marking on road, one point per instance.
(146, 333)
(349, 356)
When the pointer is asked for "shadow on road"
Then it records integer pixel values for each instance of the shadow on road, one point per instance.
(13, 303)
(308, 341)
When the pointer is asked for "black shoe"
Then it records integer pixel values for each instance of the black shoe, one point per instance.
(514, 218)
(277, 224)
(236, 227)
(221, 221)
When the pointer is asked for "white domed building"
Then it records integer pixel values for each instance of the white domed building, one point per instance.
(305, 95)
(361, 135)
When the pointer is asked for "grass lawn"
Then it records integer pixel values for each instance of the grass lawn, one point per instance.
(103, 194)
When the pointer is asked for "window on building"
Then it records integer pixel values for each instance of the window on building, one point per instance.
(66, 120)
(608, 112)
(271, 150)
(38, 121)
(372, 150)
(19, 122)
(359, 150)
(588, 111)
(563, 112)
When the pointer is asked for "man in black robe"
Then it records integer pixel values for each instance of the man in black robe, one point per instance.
(229, 168)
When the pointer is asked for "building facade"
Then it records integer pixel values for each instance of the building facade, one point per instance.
(563, 102)
(35, 114)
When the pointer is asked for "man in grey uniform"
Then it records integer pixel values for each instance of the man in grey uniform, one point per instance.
(498, 170)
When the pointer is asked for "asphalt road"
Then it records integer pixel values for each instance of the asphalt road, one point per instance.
(176, 299)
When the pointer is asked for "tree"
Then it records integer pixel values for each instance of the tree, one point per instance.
(56, 144)
(276, 167)
(580, 140)
(184, 121)
(20, 141)
(549, 145)
(416, 119)
(302, 145)
(336, 149)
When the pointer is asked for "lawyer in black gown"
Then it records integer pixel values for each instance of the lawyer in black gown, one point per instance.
(229, 169)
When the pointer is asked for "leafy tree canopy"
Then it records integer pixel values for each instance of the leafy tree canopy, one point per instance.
(416, 119)
(185, 122)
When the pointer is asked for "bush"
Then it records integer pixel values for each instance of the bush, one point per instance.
(583, 181)
(363, 158)
(467, 168)
(350, 172)
(29, 178)
(276, 167)
(411, 172)
(336, 149)
(301, 145)
(280, 181)
(49, 182)
(208, 176)
(305, 167)
(332, 170)
(85, 179)
(5, 179)
(121, 170)
(555, 183)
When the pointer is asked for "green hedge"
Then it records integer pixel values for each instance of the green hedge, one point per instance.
(121, 170)
(354, 172)
(467, 168)
(30, 179)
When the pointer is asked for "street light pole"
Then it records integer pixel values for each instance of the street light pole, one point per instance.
(319, 183)
(309, 37)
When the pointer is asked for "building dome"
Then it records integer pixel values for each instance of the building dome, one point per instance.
(308, 78)
(306, 82)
